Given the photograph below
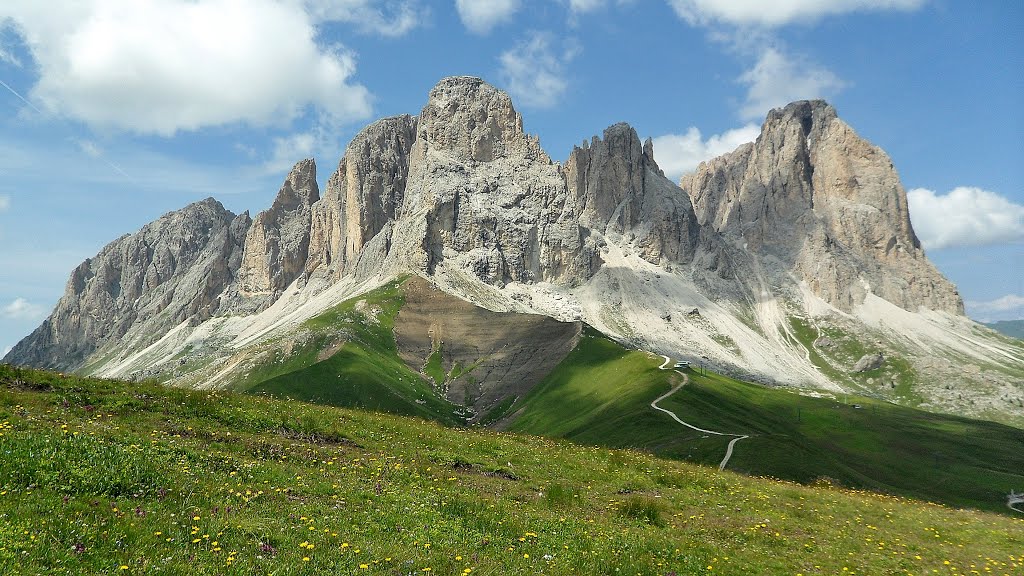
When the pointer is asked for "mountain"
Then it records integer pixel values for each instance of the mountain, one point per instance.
(790, 261)
(1011, 328)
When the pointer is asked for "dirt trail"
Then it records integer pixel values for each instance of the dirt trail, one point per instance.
(686, 380)
(1014, 500)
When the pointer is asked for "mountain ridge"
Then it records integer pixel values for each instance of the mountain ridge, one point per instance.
(807, 224)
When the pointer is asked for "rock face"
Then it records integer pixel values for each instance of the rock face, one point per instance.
(482, 196)
(812, 199)
(277, 244)
(362, 198)
(618, 189)
(141, 285)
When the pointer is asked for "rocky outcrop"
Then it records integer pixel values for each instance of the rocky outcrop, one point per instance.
(869, 362)
(277, 245)
(812, 200)
(619, 190)
(140, 286)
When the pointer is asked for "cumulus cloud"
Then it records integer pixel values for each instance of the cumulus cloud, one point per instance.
(779, 12)
(534, 71)
(480, 16)
(164, 66)
(678, 154)
(22, 309)
(1009, 307)
(965, 216)
(778, 79)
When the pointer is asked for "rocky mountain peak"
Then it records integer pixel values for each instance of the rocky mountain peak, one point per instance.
(809, 115)
(471, 120)
(299, 188)
(828, 205)
(607, 176)
(140, 285)
(277, 243)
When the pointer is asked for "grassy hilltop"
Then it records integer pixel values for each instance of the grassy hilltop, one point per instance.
(102, 477)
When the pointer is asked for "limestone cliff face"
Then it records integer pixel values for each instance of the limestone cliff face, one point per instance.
(277, 244)
(618, 189)
(812, 199)
(140, 286)
(362, 198)
(483, 197)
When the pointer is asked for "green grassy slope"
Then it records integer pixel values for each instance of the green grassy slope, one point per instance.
(364, 372)
(601, 395)
(101, 477)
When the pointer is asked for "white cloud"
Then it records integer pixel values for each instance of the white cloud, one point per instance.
(778, 79)
(482, 15)
(1009, 307)
(164, 66)
(7, 350)
(966, 216)
(21, 309)
(534, 73)
(5, 203)
(384, 18)
(291, 149)
(778, 12)
(678, 154)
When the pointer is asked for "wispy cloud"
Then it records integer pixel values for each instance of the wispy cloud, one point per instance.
(534, 70)
(5, 203)
(780, 12)
(385, 18)
(1009, 307)
(22, 309)
(965, 216)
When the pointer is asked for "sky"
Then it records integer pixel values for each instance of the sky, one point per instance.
(114, 112)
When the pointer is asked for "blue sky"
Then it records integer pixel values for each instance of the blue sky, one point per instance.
(113, 112)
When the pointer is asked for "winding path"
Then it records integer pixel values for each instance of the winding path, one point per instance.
(686, 380)
(1013, 500)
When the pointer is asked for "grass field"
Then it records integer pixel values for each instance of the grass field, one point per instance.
(364, 372)
(103, 477)
(601, 395)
